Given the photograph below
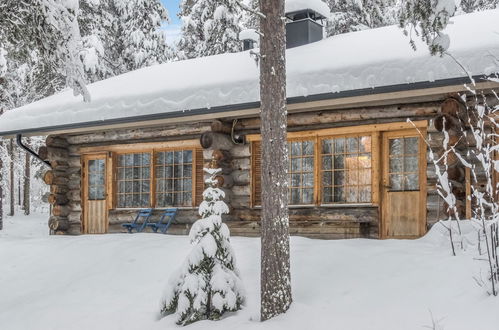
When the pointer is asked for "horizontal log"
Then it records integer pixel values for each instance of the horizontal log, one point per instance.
(453, 107)
(58, 199)
(61, 210)
(48, 177)
(74, 217)
(224, 181)
(241, 177)
(218, 126)
(425, 110)
(74, 195)
(57, 154)
(240, 151)
(241, 190)
(211, 140)
(56, 141)
(74, 161)
(140, 134)
(58, 223)
(241, 164)
(43, 152)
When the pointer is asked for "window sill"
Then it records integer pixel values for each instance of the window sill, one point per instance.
(309, 206)
(155, 208)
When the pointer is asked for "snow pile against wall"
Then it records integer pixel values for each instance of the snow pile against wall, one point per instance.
(359, 60)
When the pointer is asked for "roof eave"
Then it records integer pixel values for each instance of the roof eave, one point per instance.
(351, 98)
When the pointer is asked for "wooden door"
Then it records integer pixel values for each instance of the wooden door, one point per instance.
(403, 185)
(95, 220)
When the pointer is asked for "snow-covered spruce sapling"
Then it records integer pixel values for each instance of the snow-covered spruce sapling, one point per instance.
(207, 285)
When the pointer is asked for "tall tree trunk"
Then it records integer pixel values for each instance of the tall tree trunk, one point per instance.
(275, 268)
(12, 184)
(27, 183)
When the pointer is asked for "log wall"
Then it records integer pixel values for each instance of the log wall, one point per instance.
(64, 153)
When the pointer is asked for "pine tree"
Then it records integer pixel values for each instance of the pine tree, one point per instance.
(209, 27)
(48, 30)
(250, 20)
(470, 6)
(208, 284)
(356, 15)
(121, 36)
(275, 288)
(427, 19)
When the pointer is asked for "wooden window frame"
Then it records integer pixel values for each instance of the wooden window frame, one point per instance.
(320, 170)
(314, 174)
(374, 131)
(116, 180)
(114, 151)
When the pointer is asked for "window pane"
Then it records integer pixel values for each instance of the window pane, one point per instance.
(339, 194)
(411, 164)
(396, 182)
(412, 182)
(301, 171)
(339, 146)
(175, 178)
(327, 178)
(396, 165)
(339, 161)
(327, 163)
(352, 167)
(133, 180)
(396, 146)
(411, 145)
(327, 147)
(308, 148)
(352, 145)
(364, 194)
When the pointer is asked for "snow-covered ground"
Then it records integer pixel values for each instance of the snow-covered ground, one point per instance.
(115, 282)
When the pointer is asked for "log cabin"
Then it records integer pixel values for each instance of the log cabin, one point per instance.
(363, 110)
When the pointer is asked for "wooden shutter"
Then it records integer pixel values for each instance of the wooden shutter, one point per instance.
(256, 173)
(199, 176)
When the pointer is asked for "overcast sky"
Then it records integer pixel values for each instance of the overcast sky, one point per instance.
(173, 29)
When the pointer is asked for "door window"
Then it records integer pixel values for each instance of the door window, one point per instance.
(96, 180)
(404, 164)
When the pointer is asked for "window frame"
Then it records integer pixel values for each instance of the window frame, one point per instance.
(152, 179)
(112, 151)
(116, 180)
(372, 135)
(373, 130)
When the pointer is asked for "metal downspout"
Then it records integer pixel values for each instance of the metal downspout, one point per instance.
(34, 154)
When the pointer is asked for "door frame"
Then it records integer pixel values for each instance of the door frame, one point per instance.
(421, 133)
(84, 188)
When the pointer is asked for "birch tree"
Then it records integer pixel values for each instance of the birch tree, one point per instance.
(275, 266)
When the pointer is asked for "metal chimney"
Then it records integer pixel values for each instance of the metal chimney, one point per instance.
(304, 27)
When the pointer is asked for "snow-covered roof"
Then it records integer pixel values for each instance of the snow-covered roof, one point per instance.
(349, 62)
(318, 6)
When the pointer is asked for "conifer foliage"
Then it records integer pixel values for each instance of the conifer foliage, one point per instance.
(207, 285)
(355, 15)
(210, 27)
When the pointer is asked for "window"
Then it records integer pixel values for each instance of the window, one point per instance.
(173, 172)
(301, 172)
(133, 180)
(342, 169)
(346, 169)
(96, 179)
(404, 164)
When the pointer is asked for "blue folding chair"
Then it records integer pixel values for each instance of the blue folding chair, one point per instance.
(137, 224)
(163, 225)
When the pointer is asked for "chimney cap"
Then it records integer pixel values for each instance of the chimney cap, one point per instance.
(318, 7)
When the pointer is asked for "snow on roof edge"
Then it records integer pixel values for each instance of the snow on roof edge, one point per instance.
(335, 64)
(236, 107)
